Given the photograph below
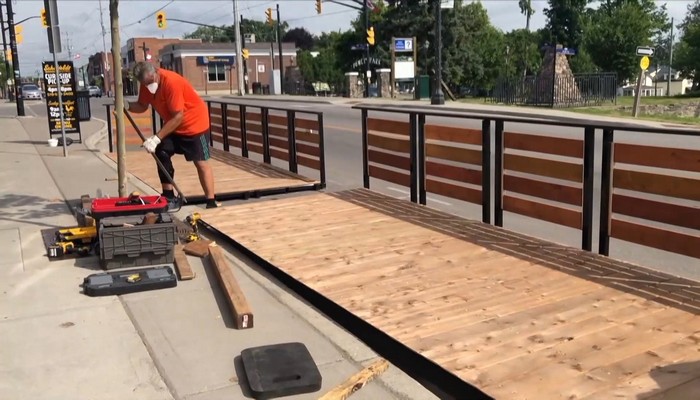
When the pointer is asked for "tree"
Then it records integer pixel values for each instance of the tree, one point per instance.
(222, 34)
(263, 32)
(687, 51)
(565, 21)
(523, 55)
(527, 11)
(617, 28)
(302, 38)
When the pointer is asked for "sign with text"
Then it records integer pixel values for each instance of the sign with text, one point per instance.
(645, 51)
(225, 60)
(403, 44)
(66, 74)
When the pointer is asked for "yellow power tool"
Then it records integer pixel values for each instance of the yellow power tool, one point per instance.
(192, 220)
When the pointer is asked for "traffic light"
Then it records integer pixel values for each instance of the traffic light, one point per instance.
(370, 36)
(44, 18)
(161, 22)
(245, 54)
(268, 13)
(18, 34)
(319, 8)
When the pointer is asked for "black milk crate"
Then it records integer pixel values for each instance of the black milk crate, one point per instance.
(138, 245)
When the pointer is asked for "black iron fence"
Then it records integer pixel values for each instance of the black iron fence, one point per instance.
(546, 177)
(557, 91)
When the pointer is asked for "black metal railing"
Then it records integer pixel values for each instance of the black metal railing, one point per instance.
(576, 198)
(557, 91)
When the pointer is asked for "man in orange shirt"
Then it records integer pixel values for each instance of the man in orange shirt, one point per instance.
(185, 124)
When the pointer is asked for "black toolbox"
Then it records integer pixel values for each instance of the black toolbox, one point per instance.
(130, 281)
(126, 243)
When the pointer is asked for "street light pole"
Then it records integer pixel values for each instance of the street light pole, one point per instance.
(438, 97)
(4, 52)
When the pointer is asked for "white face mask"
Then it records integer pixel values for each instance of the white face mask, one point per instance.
(152, 87)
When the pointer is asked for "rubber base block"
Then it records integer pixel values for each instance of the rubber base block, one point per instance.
(280, 370)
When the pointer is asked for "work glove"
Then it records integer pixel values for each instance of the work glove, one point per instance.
(151, 143)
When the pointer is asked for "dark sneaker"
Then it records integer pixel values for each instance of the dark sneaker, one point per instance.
(213, 204)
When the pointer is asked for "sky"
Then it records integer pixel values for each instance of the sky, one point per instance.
(81, 28)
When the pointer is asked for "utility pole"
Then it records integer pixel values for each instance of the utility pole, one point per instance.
(145, 50)
(439, 97)
(106, 80)
(670, 61)
(279, 47)
(366, 78)
(239, 48)
(118, 96)
(4, 53)
(245, 62)
(15, 58)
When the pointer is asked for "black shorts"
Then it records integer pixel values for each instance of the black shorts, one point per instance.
(194, 148)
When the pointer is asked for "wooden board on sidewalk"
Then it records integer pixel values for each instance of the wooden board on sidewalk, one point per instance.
(515, 316)
(241, 310)
(234, 176)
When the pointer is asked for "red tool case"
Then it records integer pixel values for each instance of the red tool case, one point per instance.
(122, 206)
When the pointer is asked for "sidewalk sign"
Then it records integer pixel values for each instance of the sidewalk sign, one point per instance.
(66, 74)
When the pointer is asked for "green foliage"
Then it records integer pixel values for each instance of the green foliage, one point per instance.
(687, 51)
(302, 38)
(565, 21)
(225, 33)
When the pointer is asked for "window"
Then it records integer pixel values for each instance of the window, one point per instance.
(217, 73)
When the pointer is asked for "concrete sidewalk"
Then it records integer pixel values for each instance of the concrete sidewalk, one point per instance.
(58, 343)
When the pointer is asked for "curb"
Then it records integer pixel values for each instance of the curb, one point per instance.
(278, 99)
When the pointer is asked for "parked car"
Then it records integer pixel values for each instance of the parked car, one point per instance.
(31, 92)
(95, 91)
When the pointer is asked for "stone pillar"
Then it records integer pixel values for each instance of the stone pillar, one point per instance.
(353, 85)
(384, 82)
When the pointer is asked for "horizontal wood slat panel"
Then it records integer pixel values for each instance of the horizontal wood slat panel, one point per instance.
(217, 138)
(255, 148)
(539, 166)
(544, 144)
(544, 212)
(304, 123)
(215, 120)
(277, 142)
(278, 132)
(665, 185)
(544, 190)
(280, 154)
(308, 162)
(660, 157)
(453, 191)
(253, 137)
(393, 160)
(216, 129)
(233, 133)
(214, 111)
(389, 175)
(306, 136)
(308, 149)
(452, 172)
(233, 114)
(388, 143)
(456, 154)
(452, 134)
(234, 143)
(277, 120)
(658, 238)
(253, 127)
(253, 117)
(389, 126)
(672, 214)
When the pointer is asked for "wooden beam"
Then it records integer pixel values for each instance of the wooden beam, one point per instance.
(242, 313)
(357, 381)
(182, 265)
(198, 248)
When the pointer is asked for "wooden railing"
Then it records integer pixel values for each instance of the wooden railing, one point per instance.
(649, 195)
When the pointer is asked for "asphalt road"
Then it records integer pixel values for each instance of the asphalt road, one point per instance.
(344, 171)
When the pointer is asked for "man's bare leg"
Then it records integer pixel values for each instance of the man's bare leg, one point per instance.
(206, 178)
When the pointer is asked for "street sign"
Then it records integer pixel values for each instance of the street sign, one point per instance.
(645, 51)
(644, 63)
(405, 44)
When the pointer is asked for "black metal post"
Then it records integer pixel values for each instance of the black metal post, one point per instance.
(4, 51)
(413, 157)
(292, 141)
(211, 138)
(245, 62)
(264, 121)
(365, 158)
(605, 192)
(422, 195)
(279, 46)
(438, 97)
(367, 45)
(224, 126)
(587, 211)
(486, 171)
(109, 129)
(15, 58)
(244, 132)
(498, 175)
(321, 151)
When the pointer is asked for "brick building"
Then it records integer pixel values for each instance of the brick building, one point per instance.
(212, 66)
(95, 73)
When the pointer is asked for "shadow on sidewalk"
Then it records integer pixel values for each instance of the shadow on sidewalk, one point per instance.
(33, 210)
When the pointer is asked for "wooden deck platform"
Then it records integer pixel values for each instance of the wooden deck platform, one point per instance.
(516, 317)
(235, 176)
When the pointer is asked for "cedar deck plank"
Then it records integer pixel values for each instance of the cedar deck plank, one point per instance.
(479, 301)
(184, 269)
(232, 174)
(242, 313)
